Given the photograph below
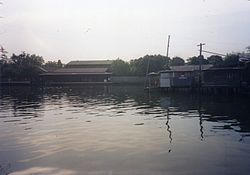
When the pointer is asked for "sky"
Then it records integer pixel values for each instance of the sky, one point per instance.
(128, 29)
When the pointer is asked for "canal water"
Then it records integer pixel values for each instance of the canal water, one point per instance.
(121, 130)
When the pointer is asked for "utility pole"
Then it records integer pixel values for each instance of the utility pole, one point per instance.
(168, 45)
(199, 88)
(200, 58)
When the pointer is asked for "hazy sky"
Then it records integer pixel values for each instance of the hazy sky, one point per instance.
(128, 29)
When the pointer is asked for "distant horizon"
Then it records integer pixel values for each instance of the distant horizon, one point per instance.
(72, 60)
(107, 30)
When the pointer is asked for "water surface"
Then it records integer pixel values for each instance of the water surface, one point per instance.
(121, 130)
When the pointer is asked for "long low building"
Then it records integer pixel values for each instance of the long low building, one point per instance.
(224, 77)
(181, 76)
(206, 76)
(80, 72)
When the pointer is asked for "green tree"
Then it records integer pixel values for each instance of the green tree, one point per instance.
(153, 63)
(248, 49)
(196, 60)
(59, 64)
(24, 67)
(246, 54)
(27, 60)
(231, 60)
(3, 56)
(177, 61)
(53, 65)
(215, 60)
(120, 67)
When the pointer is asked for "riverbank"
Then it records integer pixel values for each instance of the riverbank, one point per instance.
(15, 83)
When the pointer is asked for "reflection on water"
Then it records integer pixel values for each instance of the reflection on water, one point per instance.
(44, 170)
(121, 130)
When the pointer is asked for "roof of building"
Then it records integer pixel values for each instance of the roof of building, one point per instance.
(41, 69)
(153, 73)
(225, 68)
(94, 62)
(79, 71)
(188, 68)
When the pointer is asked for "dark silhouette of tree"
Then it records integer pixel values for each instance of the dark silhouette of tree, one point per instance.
(196, 60)
(215, 60)
(27, 60)
(3, 55)
(231, 60)
(53, 65)
(120, 67)
(177, 61)
(22, 67)
(246, 54)
(59, 63)
(155, 62)
(248, 49)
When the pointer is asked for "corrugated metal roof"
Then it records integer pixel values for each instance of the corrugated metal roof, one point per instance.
(94, 62)
(225, 68)
(41, 69)
(78, 71)
(190, 68)
(72, 73)
(81, 70)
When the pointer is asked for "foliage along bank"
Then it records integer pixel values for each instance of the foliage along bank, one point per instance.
(23, 67)
(156, 63)
(28, 66)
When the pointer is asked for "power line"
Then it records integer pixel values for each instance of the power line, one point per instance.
(213, 53)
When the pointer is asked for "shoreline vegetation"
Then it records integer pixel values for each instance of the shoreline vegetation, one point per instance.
(24, 68)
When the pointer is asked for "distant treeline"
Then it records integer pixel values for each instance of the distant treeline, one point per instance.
(28, 66)
(156, 63)
(24, 67)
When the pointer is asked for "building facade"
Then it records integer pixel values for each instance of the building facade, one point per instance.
(80, 72)
(186, 76)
